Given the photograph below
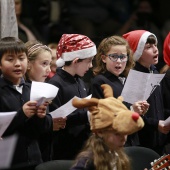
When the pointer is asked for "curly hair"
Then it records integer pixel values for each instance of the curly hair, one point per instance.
(104, 47)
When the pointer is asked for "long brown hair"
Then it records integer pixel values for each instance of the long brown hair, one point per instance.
(96, 150)
(104, 47)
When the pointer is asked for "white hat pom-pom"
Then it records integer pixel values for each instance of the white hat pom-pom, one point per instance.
(60, 62)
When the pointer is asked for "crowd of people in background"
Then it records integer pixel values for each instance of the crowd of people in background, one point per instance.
(78, 48)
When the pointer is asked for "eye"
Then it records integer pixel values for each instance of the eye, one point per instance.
(9, 59)
(45, 63)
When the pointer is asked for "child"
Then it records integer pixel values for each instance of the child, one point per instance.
(110, 122)
(30, 121)
(113, 62)
(39, 60)
(75, 54)
(145, 53)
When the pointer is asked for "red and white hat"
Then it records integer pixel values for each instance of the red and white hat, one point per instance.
(166, 49)
(137, 40)
(73, 46)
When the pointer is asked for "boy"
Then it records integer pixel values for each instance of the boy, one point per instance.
(30, 120)
(145, 53)
(75, 53)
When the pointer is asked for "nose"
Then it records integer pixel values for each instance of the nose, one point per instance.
(155, 48)
(48, 69)
(91, 65)
(135, 116)
(17, 62)
(118, 60)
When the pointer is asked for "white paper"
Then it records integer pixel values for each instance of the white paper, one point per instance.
(5, 120)
(139, 85)
(167, 122)
(65, 109)
(7, 148)
(42, 92)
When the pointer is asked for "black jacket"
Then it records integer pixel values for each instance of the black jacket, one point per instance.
(117, 86)
(27, 150)
(69, 141)
(149, 136)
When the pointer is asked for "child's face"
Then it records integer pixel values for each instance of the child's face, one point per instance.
(13, 66)
(82, 67)
(39, 69)
(149, 55)
(115, 67)
(113, 140)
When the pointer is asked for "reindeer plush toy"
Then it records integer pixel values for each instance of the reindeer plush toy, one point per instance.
(110, 113)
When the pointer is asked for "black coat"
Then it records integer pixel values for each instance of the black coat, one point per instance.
(166, 92)
(149, 136)
(117, 86)
(69, 141)
(27, 150)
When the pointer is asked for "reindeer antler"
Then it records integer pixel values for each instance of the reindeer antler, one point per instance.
(82, 103)
(107, 90)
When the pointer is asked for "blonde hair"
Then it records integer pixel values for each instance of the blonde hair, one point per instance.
(34, 48)
(104, 47)
(96, 150)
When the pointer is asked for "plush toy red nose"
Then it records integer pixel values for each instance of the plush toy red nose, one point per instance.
(135, 116)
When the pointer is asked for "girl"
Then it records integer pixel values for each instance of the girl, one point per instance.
(39, 62)
(113, 62)
(110, 123)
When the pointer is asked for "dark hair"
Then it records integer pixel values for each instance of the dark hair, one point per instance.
(11, 45)
(68, 63)
(151, 40)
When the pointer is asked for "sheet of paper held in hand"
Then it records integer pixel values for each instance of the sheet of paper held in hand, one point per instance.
(7, 147)
(65, 109)
(42, 92)
(167, 122)
(5, 120)
(139, 85)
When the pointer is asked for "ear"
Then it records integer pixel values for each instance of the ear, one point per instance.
(29, 65)
(103, 58)
(75, 61)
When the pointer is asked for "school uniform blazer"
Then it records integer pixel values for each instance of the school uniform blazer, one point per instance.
(166, 92)
(149, 136)
(117, 86)
(28, 129)
(68, 141)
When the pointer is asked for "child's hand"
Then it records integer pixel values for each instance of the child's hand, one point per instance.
(145, 107)
(41, 110)
(141, 107)
(162, 128)
(30, 108)
(59, 123)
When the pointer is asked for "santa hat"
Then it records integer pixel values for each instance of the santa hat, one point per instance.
(137, 40)
(73, 46)
(166, 49)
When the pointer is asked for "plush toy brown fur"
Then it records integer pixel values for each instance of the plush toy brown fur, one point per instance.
(110, 113)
